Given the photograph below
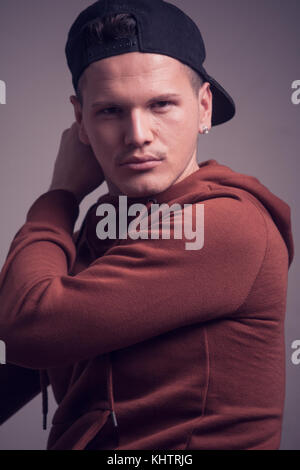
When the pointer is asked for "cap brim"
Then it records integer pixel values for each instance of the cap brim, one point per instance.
(223, 104)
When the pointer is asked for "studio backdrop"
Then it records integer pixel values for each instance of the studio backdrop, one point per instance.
(252, 50)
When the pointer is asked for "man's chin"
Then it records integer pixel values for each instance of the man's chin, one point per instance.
(143, 185)
(143, 190)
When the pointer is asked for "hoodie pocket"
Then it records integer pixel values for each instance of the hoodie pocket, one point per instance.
(77, 434)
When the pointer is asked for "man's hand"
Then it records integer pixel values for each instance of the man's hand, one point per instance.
(76, 168)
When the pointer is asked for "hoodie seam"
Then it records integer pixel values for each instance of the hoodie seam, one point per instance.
(263, 259)
(205, 392)
(207, 372)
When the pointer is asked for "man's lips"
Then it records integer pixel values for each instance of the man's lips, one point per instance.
(143, 165)
(142, 159)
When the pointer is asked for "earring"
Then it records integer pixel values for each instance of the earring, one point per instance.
(205, 130)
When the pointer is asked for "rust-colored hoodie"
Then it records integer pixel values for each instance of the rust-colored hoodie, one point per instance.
(148, 345)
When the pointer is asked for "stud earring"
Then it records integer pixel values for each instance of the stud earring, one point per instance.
(205, 130)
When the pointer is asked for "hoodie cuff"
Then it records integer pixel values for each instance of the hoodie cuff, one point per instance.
(58, 207)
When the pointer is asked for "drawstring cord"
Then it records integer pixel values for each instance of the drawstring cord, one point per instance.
(44, 390)
(44, 383)
(111, 397)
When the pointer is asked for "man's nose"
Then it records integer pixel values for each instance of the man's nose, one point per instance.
(137, 128)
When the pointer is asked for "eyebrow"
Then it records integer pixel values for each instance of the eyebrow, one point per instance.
(165, 96)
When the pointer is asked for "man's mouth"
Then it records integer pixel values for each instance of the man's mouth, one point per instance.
(141, 163)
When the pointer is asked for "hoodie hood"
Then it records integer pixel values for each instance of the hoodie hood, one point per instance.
(278, 209)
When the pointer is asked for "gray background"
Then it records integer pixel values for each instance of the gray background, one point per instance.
(252, 50)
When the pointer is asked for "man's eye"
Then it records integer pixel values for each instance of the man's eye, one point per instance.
(108, 111)
(113, 110)
(162, 104)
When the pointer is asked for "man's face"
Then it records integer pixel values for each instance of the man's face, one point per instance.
(128, 111)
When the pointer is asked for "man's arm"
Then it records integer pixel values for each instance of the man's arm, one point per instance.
(139, 289)
(18, 385)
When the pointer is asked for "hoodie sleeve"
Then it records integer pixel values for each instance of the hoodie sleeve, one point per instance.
(138, 290)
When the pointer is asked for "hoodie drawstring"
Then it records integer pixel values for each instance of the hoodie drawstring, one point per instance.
(111, 397)
(44, 384)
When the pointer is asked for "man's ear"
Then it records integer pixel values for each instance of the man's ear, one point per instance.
(78, 116)
(205, 106)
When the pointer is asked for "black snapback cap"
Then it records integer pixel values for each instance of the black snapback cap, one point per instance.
(162, 28)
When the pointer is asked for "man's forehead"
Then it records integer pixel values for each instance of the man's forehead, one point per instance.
(135, 76)
(133, 64)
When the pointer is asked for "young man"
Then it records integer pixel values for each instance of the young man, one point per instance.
(148, 342)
